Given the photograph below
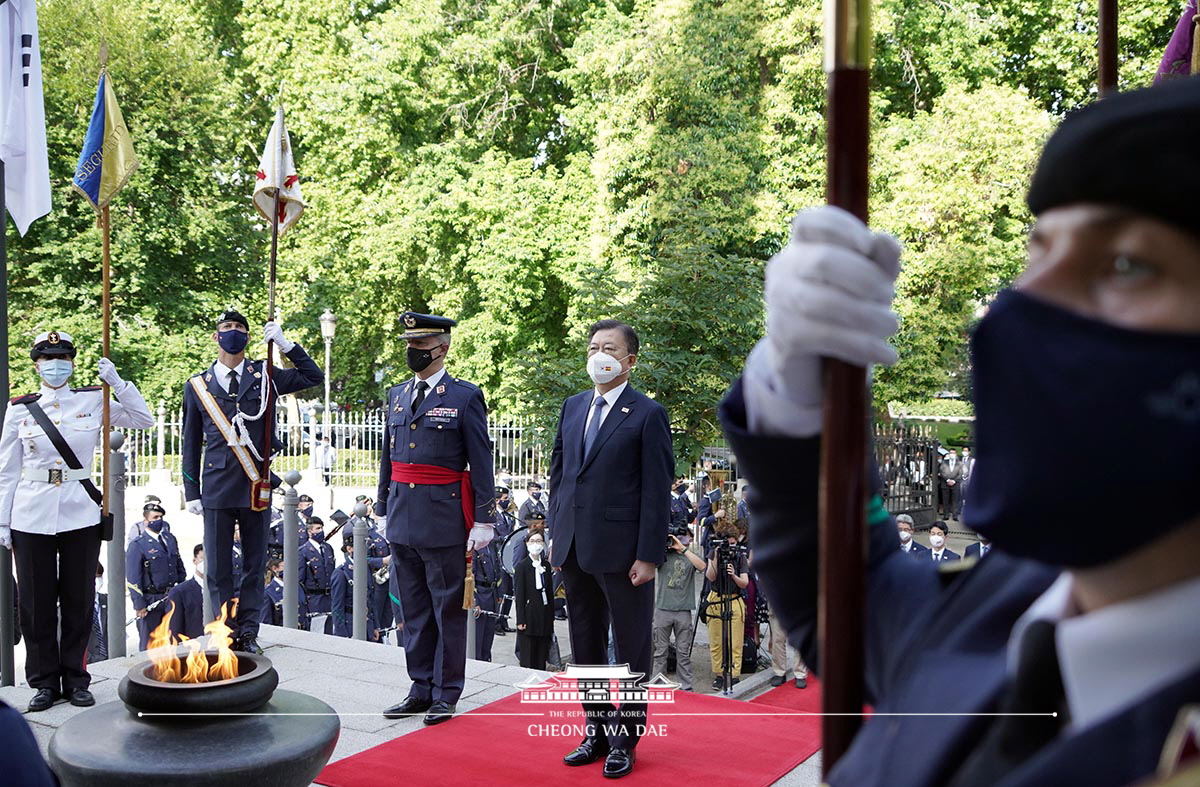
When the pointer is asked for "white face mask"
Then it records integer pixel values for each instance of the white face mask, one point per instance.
(99, 584)
(200, 568)
(937, 541)
(603, 368)
(55, 372)
(535, 548)
(905, 536)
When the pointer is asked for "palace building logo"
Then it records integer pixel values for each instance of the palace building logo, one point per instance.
(598, 683)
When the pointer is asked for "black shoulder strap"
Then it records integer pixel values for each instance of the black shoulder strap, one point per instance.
(63, 448)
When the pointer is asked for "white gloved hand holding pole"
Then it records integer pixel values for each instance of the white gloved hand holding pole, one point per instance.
(108, 374)
(480, 536)
(273, 333)
(194, 507)
(828, 294)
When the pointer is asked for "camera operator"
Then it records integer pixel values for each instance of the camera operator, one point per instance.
(676, 598)
(725, 610)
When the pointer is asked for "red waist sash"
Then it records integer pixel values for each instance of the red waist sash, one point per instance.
(406, 473)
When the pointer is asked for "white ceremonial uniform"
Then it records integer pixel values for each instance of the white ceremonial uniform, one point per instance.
(29, 501)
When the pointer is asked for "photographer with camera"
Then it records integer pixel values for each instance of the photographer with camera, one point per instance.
(725, 608)
(674, 602)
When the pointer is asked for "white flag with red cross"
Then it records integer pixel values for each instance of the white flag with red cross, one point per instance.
(277, 172)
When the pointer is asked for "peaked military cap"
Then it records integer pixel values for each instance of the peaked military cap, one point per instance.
(154, 507)
(1131, 150)
(53, 343)
(418, 326)
(233, 315)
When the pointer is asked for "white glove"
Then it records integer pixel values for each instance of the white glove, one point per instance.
(828, 294)
(273, 333)
(108, 374)
(480, 536)
(5, 536)
(194, 507)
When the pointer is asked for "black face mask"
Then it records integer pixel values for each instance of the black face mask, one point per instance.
(1110, 397)
(319, 537)
(418, 360)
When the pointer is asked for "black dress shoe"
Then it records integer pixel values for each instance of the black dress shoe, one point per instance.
(246, 643)
(410, 707)
(439, 712)
(776, 680)
(81, 698)
(43, 700)
(587, 752)
(801, 683)
(619, 762)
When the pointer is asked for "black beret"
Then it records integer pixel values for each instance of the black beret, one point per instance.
(1133, 150)
(315, 520)
(417, 326)
(536, 515)
(233, 315)
(305, 499)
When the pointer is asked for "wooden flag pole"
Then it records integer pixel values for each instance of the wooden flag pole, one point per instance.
(106, 307)
(1106, 74)
(843, 490)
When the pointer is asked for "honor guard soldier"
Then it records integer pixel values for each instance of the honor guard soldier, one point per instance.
(379, 559)
(304, 509)
(489, 577)
(49, 510)
(506, 523)
(152, 567)
(435, 487)
(342, 593)
(139, 527)
(223, 433)
(316, 572)
(272, 612)
(187, 600)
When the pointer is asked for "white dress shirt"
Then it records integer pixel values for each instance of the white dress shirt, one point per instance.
(1115, 656)
(610, 401)
(221, 372)
(28, 501)
(431, 381)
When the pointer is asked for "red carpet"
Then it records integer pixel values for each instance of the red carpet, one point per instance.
(754, 749)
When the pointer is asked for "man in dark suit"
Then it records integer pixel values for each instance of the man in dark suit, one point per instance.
(222, 406)
(187, 600)
(611, 471)
(980, 549)
(937, 544)
(1067, 655)
(949, 475)
(436, 488)
(909, 546)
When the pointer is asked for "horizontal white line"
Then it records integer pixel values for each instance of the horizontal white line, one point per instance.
(868, 715)
(142, 714)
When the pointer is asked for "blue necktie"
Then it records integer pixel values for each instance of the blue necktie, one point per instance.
(593, 427)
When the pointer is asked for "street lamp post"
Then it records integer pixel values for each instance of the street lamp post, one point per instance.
(328, 327)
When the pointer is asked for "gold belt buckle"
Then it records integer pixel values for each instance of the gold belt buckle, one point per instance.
(56, 476)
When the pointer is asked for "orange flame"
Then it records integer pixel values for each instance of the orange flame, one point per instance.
(195, 666)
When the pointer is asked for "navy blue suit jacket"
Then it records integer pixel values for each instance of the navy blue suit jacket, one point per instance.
(946, 654)
(972, 550)
(223, 483)
(188, 617)
(614, 505)
(449, 430)
(152, 568)
(918, 551)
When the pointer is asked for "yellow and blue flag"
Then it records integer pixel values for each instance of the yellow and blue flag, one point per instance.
(107, 159)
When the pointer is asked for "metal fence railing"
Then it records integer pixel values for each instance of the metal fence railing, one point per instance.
(906, 455)
(357, 438)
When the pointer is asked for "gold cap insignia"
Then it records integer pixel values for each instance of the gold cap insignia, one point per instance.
(409, 320)
(53, 337)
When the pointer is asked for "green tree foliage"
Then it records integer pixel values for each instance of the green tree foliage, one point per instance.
(530, 166)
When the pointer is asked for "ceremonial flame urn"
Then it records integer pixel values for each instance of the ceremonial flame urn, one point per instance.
(226, 725)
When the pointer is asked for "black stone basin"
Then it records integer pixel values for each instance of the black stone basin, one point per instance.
(241, 731)
(251, 689)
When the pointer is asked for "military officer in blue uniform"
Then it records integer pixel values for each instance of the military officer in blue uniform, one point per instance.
(342, 593)
(436, 490)
(152, 567)
(187, 600)
(489, 578)
(272, 611)
(316, 572)
(506, 523)
(1067, 656)
(379, 558)
(224, 433)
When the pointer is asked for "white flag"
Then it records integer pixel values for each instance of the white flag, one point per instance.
(22, 115)
(277, 170)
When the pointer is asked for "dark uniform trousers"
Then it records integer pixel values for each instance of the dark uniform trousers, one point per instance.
(592, 597)
(218, 549)
(59, 568)
(431, 584)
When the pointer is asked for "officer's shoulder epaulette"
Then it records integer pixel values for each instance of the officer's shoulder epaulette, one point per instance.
(25, 399)
(85, 388)
(465, 384)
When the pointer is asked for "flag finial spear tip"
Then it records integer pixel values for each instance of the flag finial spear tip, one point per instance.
(103, 54)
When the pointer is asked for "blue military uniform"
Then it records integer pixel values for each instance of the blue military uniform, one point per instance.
(187, 602)
(377, 550)
(224, 489)
(506, 523)
(425, 521)
(272, 611)
(316, 578)
(489, 578)
(152, 567)
(342, 593)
